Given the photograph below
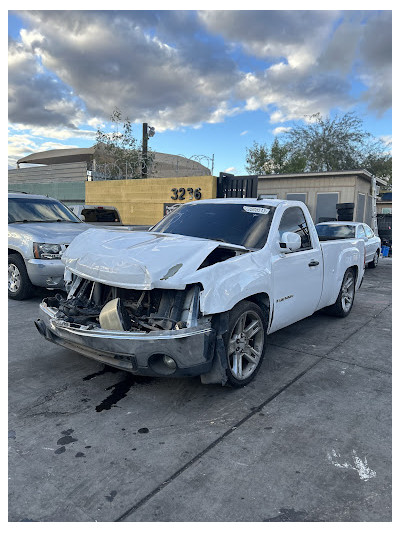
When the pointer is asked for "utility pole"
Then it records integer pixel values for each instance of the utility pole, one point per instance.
(144, 150)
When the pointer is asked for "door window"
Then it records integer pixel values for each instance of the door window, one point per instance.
(293, 220)
(360, 233)
(369, 232)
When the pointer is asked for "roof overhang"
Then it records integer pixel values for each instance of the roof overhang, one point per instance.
(63, 155)
(362, 173)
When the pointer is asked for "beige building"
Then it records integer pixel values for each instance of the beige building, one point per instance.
(384, 204)
(321, 191)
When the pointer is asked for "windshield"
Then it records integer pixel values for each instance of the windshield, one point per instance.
(334, 231)
(244, 225)
(38, 210)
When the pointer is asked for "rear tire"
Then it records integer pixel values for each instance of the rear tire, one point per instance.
(19, 284)
(345, 299)
(245, 342)
(374, 262)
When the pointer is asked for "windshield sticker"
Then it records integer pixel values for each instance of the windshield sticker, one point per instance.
(258, 210)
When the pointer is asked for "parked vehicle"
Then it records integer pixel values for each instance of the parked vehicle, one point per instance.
(198, 294)
(359, 230)
(97, 214)
(39, 231)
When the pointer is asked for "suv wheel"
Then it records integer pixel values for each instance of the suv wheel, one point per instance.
(19, 284)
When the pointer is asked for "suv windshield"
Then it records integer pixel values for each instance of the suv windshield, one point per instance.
(38, 210)
(244, 225)
(335, 231)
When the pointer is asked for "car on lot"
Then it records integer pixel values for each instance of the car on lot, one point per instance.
(344, 230)
(200, 291)
(39, 231)
(96, 214)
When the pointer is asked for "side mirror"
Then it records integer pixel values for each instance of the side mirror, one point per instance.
(289, 242)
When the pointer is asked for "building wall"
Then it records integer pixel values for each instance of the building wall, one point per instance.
(68, 192)
(344, 185)
(64, 172)
(142, 201)
(380, 206)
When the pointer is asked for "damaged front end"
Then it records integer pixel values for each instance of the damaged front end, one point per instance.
(157, 332)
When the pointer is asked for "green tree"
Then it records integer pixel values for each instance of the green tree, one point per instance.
(329, 144)
(117, 153)
(276, 159)
(378, 161)
(256, 158)
(323, 144)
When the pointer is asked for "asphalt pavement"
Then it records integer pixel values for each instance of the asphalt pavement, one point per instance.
(308, 440)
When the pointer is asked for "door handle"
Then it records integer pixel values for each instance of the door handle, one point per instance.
(313, 263)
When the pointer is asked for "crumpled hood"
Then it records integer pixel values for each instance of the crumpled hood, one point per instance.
(52, 232)
(137, 260)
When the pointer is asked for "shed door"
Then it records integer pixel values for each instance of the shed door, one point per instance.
(360, 207)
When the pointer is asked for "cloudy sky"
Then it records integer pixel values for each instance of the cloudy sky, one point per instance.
(210, 82)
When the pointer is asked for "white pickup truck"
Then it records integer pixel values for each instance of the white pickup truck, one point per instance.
(199, 293)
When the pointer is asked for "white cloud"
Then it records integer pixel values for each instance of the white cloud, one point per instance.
(230, 170)
(245, 132)
(69, 69)
(24, 144)
(387, 139)
(281, 129)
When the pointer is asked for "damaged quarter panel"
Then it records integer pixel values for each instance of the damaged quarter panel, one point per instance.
(225, 284)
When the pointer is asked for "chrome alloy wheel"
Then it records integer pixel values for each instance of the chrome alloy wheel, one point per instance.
(376, 258)
(14, 278)
(347, 296)
(246, 345)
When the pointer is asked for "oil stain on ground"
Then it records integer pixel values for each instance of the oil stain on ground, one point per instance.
(106, 369)
(120, 390)
(112, 495)
(65, 439)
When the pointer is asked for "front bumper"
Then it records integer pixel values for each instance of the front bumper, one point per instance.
(46, 273)
(140, 353)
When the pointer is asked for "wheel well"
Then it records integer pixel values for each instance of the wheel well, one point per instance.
(354, 268)
(13, 252)
(261, 299)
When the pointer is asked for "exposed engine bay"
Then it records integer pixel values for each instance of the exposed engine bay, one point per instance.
(95, 305)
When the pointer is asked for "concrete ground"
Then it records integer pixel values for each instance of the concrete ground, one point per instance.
(308, 440)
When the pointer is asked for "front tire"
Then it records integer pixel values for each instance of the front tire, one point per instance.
(374, 262)
(245, 342)
(345, 299)
(19, 284)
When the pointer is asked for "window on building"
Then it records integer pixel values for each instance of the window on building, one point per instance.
(267, 196)
(293, 219)
(360, 207)
(326, 206)
(297, 196)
